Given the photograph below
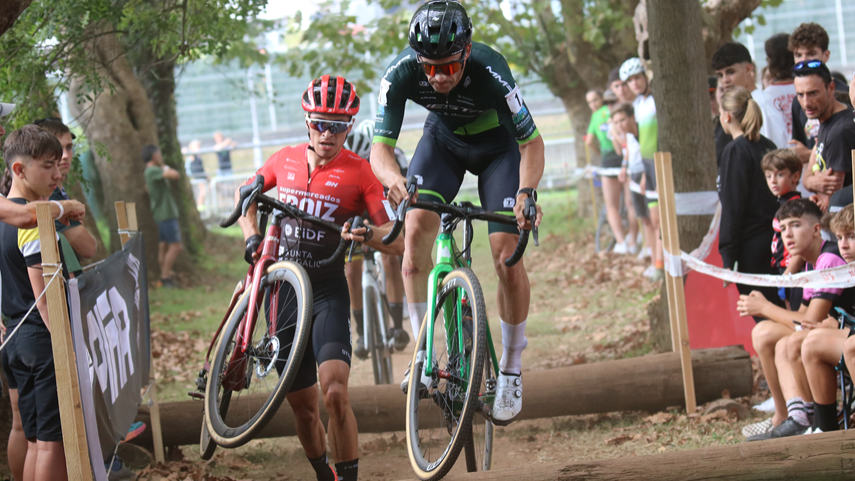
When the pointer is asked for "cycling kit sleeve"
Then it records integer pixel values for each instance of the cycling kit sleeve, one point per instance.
(378, 207)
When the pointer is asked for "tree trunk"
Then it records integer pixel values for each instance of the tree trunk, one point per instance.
(119, 122)
(75, 191)
(679, 66)
(159, 82)
(10, 10)
(650, 383)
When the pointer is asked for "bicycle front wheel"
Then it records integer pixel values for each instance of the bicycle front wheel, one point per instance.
(439, 418)
(376, 317)
(479, 447)
(253, 382)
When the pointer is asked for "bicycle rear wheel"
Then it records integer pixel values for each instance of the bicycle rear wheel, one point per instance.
(251, 385)
(376, 322)
(604, 239)
(439, 418)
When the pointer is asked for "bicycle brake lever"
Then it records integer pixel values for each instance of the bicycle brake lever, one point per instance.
(531, 209)
(357, 223)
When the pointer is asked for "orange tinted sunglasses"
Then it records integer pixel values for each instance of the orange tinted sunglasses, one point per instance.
(449, 68)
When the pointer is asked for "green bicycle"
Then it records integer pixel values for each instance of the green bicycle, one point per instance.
(454, 349)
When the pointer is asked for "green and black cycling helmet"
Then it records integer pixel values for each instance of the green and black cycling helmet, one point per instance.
(440, 29)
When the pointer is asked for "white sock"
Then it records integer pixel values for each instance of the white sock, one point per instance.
(513, 343)
(417, 312)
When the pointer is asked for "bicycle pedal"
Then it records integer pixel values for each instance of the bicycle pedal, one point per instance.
(198, 396)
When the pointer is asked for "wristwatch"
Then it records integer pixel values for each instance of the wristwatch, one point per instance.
(529, 191)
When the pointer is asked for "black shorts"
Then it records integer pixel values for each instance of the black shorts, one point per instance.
(31, 362)
(443, 157)
(330, 339)
(7, 372)
(611, 160)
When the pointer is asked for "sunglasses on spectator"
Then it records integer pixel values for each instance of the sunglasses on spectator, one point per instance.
(333, 126)
(807, 64)
(449, 68)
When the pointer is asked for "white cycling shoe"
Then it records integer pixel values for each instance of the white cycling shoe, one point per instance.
(425, 380)
(508, 403)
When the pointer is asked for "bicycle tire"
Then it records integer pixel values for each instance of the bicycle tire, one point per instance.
(448, 387)
(236, 431)
(478, 449)
(384, 337)
(207, 445)
(369, 307)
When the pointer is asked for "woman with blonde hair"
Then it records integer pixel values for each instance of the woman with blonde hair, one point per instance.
(747, 205)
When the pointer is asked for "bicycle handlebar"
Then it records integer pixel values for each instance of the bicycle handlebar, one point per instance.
(250, 194)
(467, 212)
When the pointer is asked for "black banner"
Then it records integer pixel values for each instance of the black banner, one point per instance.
(109, 304)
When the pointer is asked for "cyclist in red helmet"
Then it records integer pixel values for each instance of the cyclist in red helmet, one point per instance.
(323, 178)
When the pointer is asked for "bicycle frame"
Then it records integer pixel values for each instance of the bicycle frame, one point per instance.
(448, 258)
(371, 280)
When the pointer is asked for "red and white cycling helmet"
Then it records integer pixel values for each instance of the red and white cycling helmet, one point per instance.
(331, 95)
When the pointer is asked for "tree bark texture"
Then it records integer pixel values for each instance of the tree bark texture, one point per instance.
(818, 457)
(159, 81)
(10, 10)
(683, 113)
(121, 120)
(649, 383)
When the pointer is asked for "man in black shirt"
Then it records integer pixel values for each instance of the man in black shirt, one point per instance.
(832, 168)
(809, 41)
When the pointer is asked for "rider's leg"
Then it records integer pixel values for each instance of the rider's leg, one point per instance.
(513, 296)
(611, 194)
(394, 285)
(422, 227)
(310, 430)
(343, 441)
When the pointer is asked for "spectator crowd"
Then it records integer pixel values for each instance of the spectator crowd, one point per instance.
(784, 160)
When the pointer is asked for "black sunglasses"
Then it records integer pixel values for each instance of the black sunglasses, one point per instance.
(807, 64)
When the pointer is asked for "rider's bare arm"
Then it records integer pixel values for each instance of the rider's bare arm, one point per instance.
(248, 223)
(388, 172)
(531, 170)
(396, 248)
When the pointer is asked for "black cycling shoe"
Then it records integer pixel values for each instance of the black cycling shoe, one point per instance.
(359, 349)
(400, 339)
(788, 428)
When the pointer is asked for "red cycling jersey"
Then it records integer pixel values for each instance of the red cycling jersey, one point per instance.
(336, 191)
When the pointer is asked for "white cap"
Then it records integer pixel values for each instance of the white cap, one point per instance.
(6, 109)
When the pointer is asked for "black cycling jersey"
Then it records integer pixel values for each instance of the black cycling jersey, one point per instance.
(485, 98)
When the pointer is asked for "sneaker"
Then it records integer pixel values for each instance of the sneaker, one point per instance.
(767, 406)
(658, 275)
(650, 272)
(117, 471)
(632, 249)
(425, 381)
(788, 428)
(620, 248)
(757, 428)
(359, 349)
(400, 338)
(167, 283)
(811, 431)
(508, 398)
(644, 253)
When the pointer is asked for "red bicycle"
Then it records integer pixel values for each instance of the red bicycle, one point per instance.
(252, 368)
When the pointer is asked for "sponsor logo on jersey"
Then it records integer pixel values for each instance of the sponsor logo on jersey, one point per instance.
(452, 108)
(419, 179)
(303, 233)
(291, 176)
(385, 85)
(424, 83)
(467, 81)
(335, 177)
(520, 116)
(509, 202)
(331, 184)
(381, 110)
(499, 78)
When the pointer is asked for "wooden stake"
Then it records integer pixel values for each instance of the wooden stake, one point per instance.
(674, 285)
(126, 214)
(67, 384)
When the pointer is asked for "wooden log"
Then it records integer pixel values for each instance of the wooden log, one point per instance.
(817, 457)
(648, 383)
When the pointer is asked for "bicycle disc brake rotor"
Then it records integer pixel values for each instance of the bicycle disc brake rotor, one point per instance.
(269, 352)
